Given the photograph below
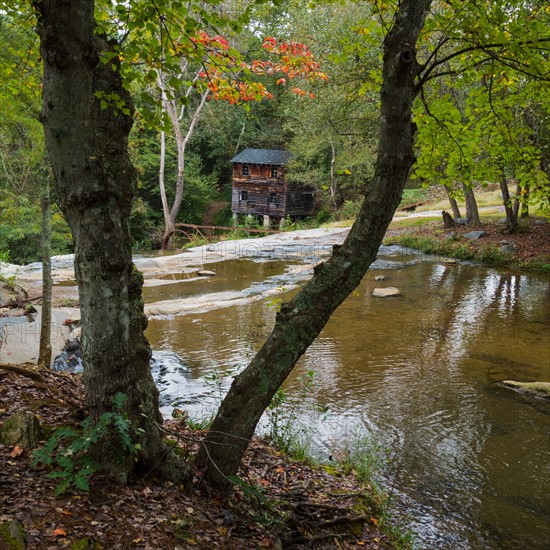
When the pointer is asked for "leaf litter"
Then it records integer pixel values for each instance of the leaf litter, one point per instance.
(281, 503)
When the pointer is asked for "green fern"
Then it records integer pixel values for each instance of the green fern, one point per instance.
(69, 450)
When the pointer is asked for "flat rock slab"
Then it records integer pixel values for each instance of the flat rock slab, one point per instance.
(20, 336)
(474, 235)
(386, 292)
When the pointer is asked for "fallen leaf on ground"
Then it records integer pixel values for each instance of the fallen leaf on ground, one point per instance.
(17, 451)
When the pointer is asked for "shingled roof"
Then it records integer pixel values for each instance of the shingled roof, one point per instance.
(263, 156)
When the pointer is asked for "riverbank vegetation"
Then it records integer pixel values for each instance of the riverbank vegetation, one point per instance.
(526, 249)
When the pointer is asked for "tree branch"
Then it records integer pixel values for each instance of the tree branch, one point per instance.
(487, 48)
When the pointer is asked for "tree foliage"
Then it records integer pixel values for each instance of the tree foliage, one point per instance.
(484, 105)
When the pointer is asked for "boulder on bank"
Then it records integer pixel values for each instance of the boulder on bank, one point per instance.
(474, 235)
(22, 428)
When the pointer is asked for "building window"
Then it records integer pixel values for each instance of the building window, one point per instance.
(245, 170)
(243, 195)
(273, 198)
(292, 199)
(273, 172)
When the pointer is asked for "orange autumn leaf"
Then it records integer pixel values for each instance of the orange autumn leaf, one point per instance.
(59, 532)
(374, 521)
(17, 451)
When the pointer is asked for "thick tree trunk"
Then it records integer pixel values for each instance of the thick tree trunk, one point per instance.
(472, 213)
(95, 182)
(45, 347)
(301, 320)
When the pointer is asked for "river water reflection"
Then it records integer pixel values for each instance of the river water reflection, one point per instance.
(469, 461)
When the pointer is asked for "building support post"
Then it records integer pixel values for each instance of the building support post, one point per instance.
(266, 222)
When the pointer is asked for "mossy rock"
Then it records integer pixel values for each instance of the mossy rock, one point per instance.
(12, 535)
(86, 543)
(535, 389)
(22, 428)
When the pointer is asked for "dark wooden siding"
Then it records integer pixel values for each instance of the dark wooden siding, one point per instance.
(259, 184)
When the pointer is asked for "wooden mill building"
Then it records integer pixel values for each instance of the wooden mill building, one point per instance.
(260, 187)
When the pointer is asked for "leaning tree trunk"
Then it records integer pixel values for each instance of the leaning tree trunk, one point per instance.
(301, 320)
(453, 204)
(95, 182)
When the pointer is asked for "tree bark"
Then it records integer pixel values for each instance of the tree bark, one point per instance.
(95, 182)
(448, 222)
(45, 346)
(301, 320)
(521, 202)
(472, 213)
(525, 202)
(511, 213)
(453, 204)
(333, 182)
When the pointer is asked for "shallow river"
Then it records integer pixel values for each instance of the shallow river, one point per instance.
(467, 462)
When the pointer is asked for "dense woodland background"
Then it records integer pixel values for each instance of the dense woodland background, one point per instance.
(485, 120)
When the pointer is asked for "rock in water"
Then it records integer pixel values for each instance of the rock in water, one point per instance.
(380, 278)
(206, 273)
(386, 292)
(22, 428)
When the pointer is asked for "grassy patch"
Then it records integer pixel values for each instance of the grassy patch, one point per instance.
(413, 196)
(492, 255)
(415, 222)
(338, 224)
(483, 198)
(541, 264)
